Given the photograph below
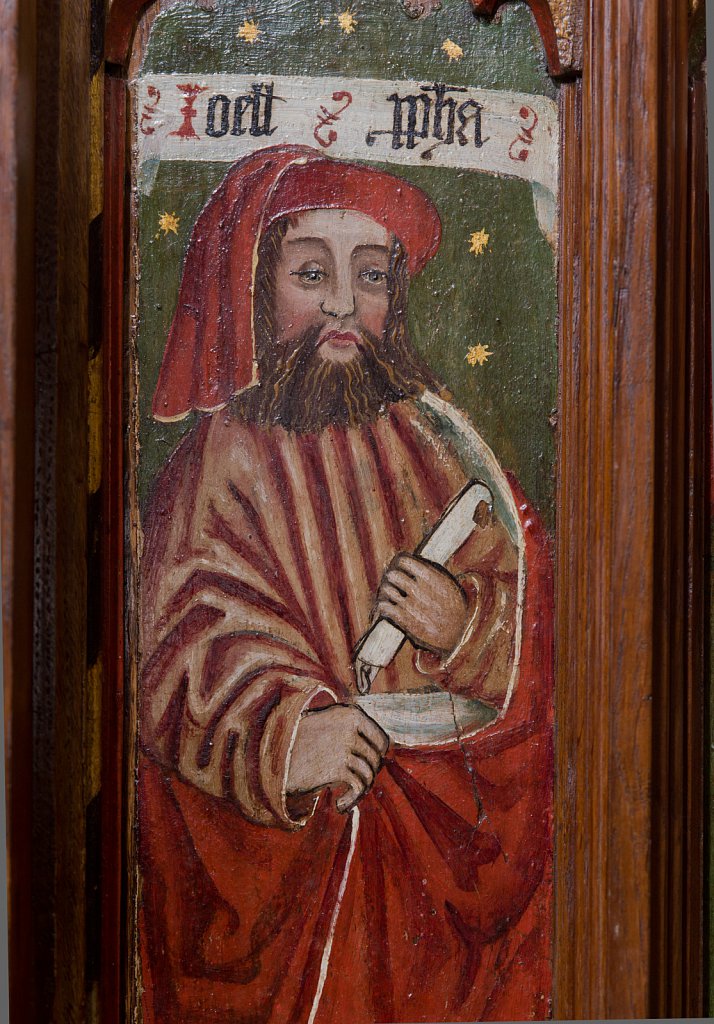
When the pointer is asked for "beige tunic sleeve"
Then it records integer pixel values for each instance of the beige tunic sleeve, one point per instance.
(228, 664)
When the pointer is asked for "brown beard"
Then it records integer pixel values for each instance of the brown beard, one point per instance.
(305, 392)
(308, 392)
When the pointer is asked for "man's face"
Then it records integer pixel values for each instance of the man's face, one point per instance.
(332, 279)
(332, 342)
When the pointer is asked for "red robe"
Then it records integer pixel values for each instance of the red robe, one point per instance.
(432, 900)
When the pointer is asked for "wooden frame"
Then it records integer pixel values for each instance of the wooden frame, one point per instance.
(630, 389)
(633, 465)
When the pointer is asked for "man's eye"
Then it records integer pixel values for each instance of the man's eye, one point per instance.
(374, 276)
(313, 275)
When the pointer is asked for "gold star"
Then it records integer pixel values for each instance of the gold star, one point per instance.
(478, 354)
(249, 32)
(347, 22)
(169, 222)
(452, 50)
(479, 241)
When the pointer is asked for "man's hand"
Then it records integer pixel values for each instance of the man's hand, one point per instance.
(336, 747)
(424, 601)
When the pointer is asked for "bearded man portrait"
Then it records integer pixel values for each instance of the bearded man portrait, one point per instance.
(310, 852)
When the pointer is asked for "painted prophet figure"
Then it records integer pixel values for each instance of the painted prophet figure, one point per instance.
(311, 853)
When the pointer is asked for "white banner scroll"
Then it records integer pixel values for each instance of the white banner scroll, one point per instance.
(413, 123)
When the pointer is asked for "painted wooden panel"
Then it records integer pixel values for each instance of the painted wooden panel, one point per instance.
(341, 479)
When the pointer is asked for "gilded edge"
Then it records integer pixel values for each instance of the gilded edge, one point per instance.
(568, 21)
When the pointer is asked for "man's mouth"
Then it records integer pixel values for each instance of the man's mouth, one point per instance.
(340, 339)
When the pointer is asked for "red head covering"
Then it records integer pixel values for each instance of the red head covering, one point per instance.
(210, 352)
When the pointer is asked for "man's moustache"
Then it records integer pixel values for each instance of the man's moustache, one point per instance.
(313, 339)
(347, 336)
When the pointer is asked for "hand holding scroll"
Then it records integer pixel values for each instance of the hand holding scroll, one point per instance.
(470, 510)
(424, 601)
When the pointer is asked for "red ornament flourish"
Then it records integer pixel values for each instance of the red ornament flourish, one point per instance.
(525, 135)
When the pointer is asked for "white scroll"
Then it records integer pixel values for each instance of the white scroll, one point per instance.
(414, 123)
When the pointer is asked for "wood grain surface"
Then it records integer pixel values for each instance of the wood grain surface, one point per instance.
(63, 675)
(698, 638)
(17, 283)
(628, 869)
(44, 273)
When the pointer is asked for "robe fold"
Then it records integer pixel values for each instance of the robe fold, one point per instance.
(430, 901)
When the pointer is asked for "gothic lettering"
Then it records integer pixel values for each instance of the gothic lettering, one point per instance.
(421, 117)
(190, 94)
(225, 106)
(252, 113)
(464, 120)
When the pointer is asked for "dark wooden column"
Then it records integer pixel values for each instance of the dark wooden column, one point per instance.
(628, 867)
(44, 125)
(17, 302)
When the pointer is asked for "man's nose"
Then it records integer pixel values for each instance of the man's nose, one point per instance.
(340, 298)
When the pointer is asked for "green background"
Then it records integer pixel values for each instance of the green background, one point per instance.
(505, 298)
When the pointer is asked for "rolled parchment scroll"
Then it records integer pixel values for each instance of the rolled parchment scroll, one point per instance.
(469, 510)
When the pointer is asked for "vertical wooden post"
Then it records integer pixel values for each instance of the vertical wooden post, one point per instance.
(623, 906)
(697, 629)
(17, 300)
(45, 52)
